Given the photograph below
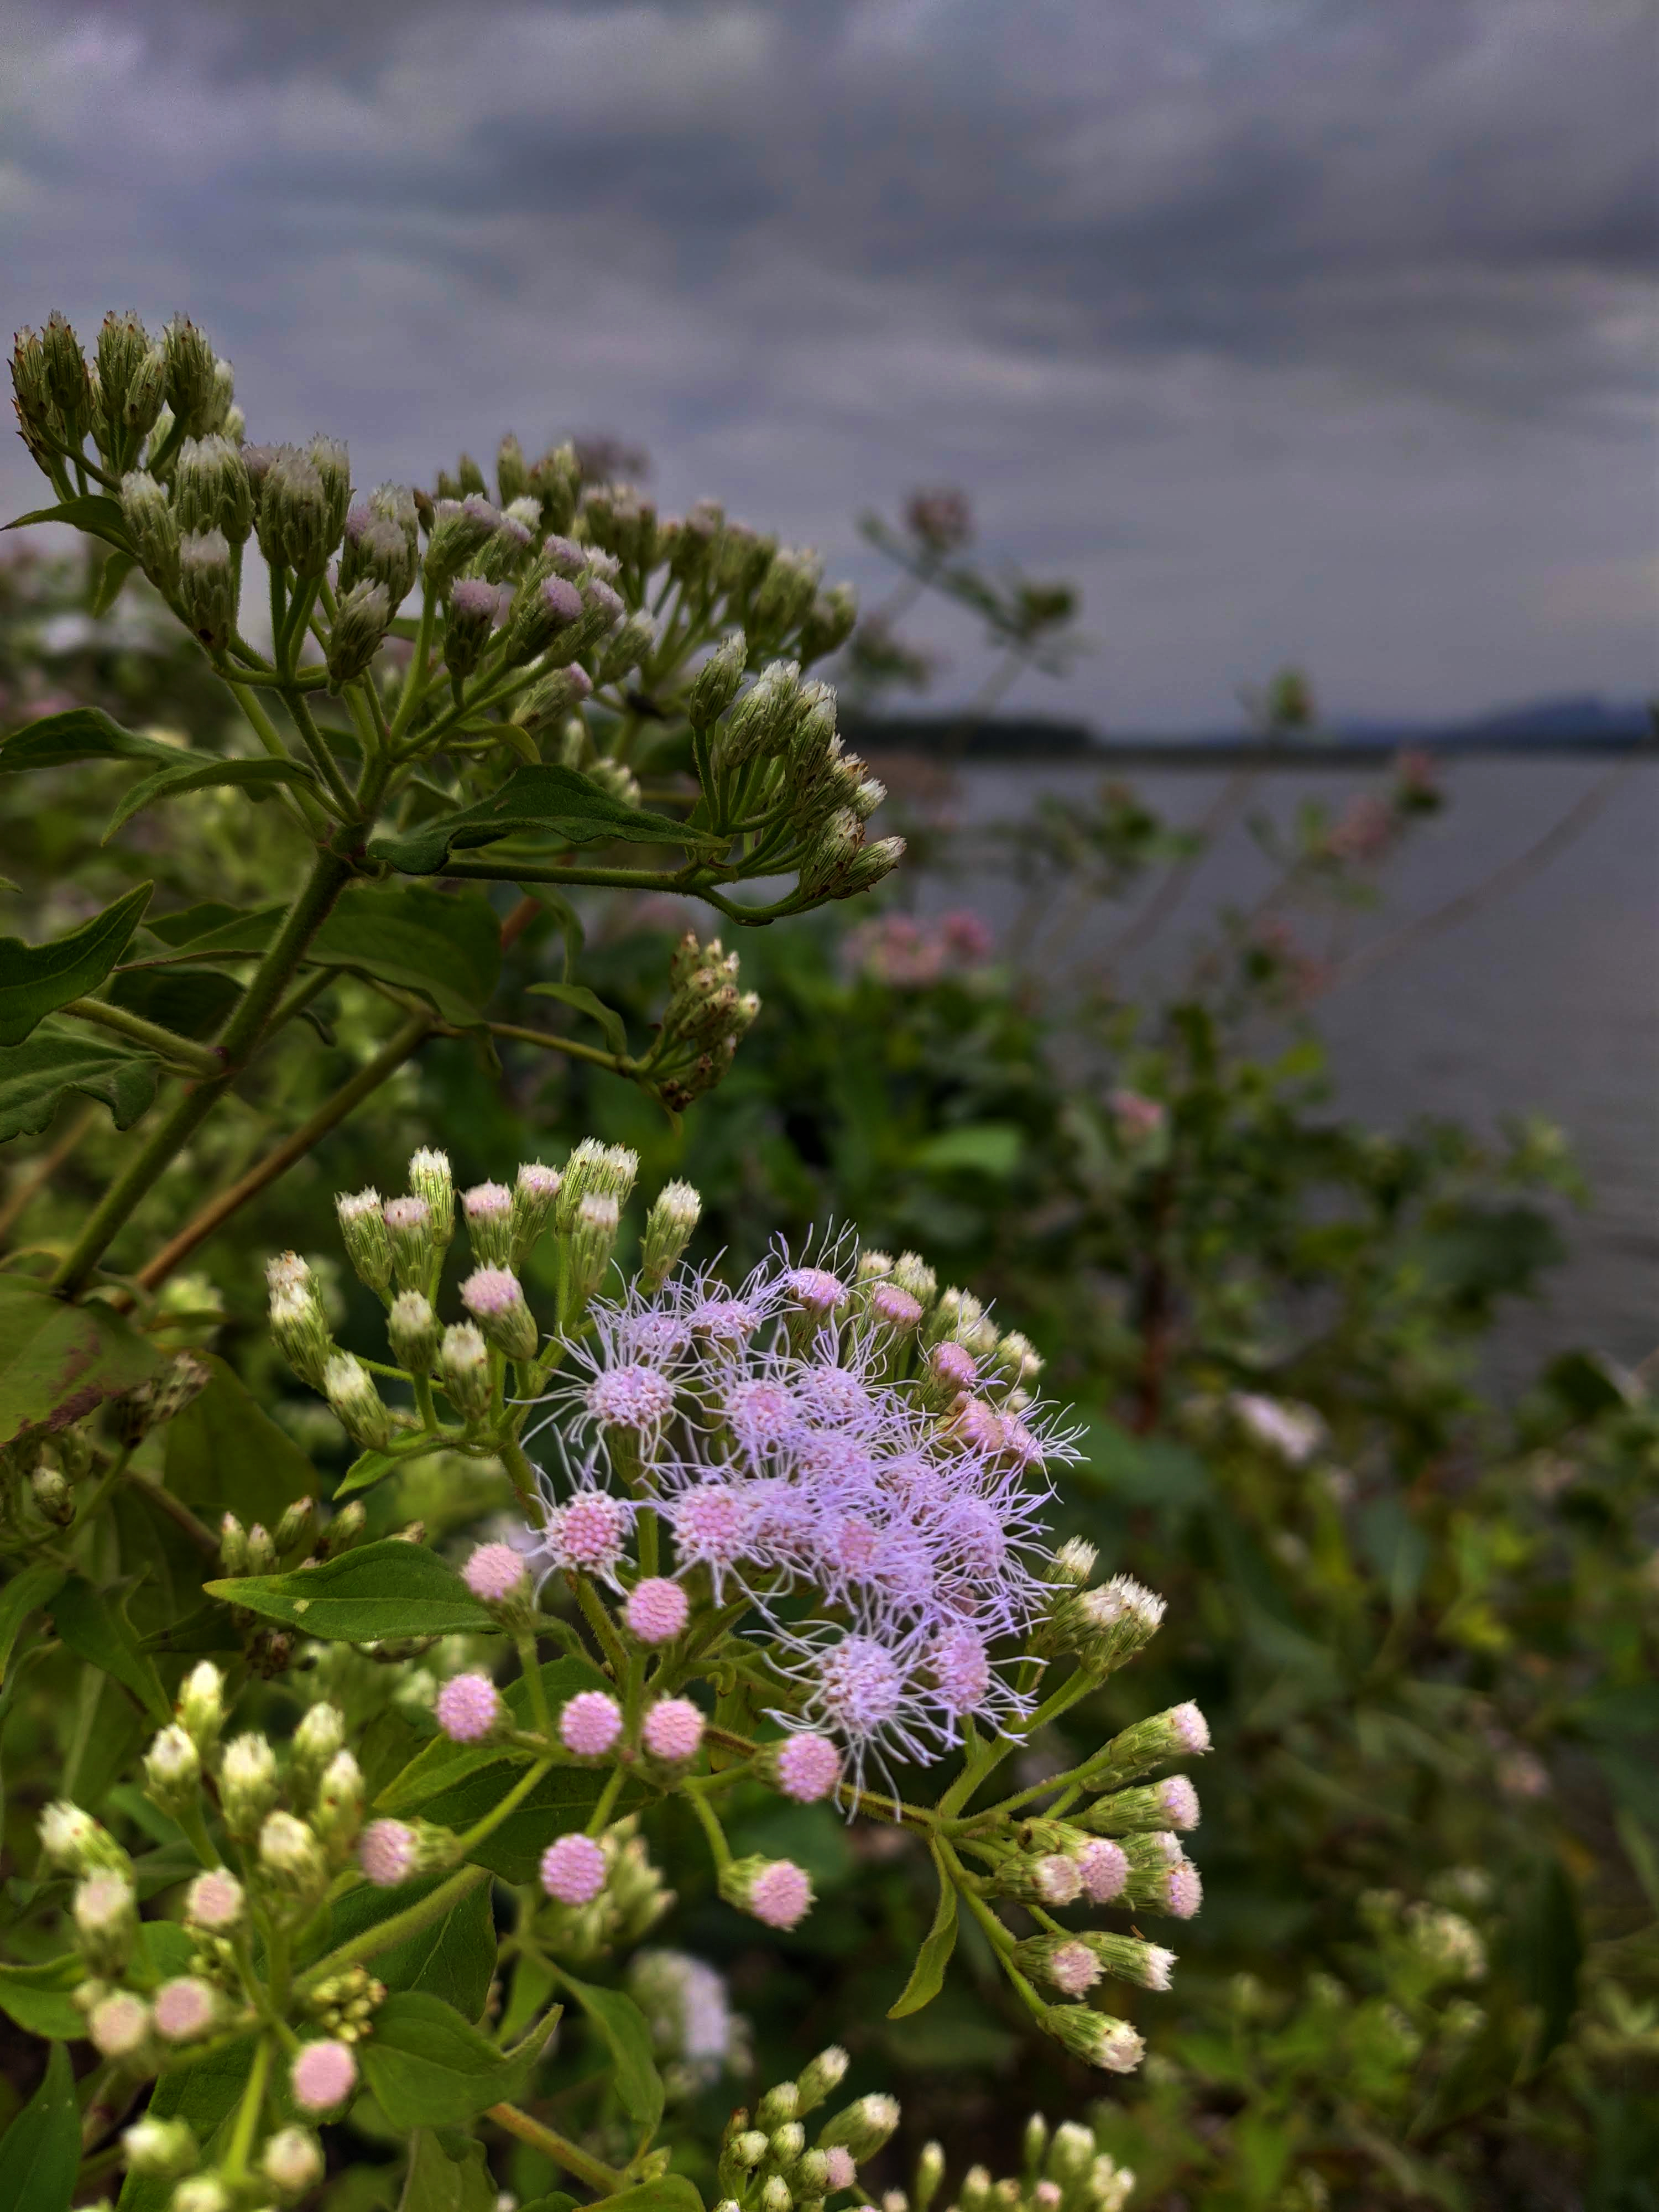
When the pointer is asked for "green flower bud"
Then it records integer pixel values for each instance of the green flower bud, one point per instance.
(293, 511)
(29, 382)
(829, 623)
(51, 1496)
(297, 1525)
(627, 648)
(1072, 2153)
(1096, 2038)
(555, 481)
(668, 1227)
(379, 549)
(512, 469)
(207, 587)
(412, 1327)
(320, 1735)
(172, 1771)
(68, 384)
(463, 1363)
(164, 2149)
(247, 1784)
(123, 348)
(609, 1169)
(867, 867)
(105, 1915)
(193, 391)
(460, 529)
(592, 1240)
(360, 623)
(363, 1232)
(338, 1814)
(212, 489)
(429, 1179)
(862, 2127)
(535, 1192)
(291, 1857)
(779, 2103)
(356, 1404)
(714, 686)
(820, 2077)
(786, 593)
(473, 606)
(930, 2172)
(154, 529)
(201, 1706)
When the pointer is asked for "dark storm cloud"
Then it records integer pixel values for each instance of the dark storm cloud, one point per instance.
(1321, 325)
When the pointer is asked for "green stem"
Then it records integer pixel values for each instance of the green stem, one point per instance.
(497, 1812)
(329, 876)
(577, 1051)
(599, 1818)
(718, 1848)
(601, 1626)
(247, 2116)
(321, 751)
(556, 2147)
(530, 1660)
(187, 1057)
(415, 682)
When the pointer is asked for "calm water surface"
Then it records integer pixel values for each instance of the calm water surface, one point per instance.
(1545, 1000)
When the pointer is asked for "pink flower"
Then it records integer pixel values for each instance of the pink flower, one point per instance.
(590, 1723)
(586, 1535)
(1184, 1892)
(953, 1367)
(673, 1730)
(494, 1573)
(842, 2171)
(386, 1852)
(214, 1900)
(487, 1201)
(489, 1293)
(119, 2025)
(816, 1289)
(323, 2075)
(711, 1527)
(781, 1894)
(573, 1869)
(1073, 1968)
(1190, 1727)
(630, 1397)
(656, 1610)
(896, 1308)
(807, 1767)
(960, 1667)
(1104, 1869)
(469, 1708)
(1179, 1801)
(185, 2008)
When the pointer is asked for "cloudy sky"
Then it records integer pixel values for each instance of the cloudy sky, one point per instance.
(1310, 329)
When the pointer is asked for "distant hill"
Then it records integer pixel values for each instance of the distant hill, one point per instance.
(1589, 723)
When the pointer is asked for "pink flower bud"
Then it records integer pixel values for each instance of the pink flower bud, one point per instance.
(843, 2172)
(656, 1610)
(323, 2075)
(386, 1852)
(185, 2008)
(119, 2025)
(468, 1707)
(590, 1723)
(1183, 1891)
(1104, 1868)
(573, 1869)
(494, 1573)
(673, 1730)
(807, 1767)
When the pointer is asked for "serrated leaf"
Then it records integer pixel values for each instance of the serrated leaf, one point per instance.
(34, 1076)
(927, 1975)
(98, 516)
(41, 2151)
(225, 1453)
(35, 980)
(94, 1627)
(628, 2037)
(79, 733)
(429, 2067)
(388, 1589)
(586, 1002)
(40, 1999)
(554, 801)
(25, 1593)
(440, 1763)
(260, 777)
(58, 1361)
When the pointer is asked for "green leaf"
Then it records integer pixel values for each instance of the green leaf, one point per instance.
(440, 1763)
(671, 2193)
(225, 1453)
(446, 946)
(258, 776)
(988, 1148)
(58, 1361)
(24, 1594)
(41, 2151)
(623, 2026)
(439, 2181)
(586, 1002)
(454, 1959)
(34, 1076)
(79, 733)
(99, 1632)
(927, 1975)
(429, 2067)
(35, 980)
(379, 1590)
(39, 1998)
(117, 568)
(560, 1801)
(1549, 1946)
(191, 922)
(559, 2201)
(191, 1002)
(557, 802)
(98, 516)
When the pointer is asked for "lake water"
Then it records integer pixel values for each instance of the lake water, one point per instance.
(1545, 998)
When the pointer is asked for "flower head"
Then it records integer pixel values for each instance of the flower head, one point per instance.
(323, 2075)
(590, 1723)
(656, 1610)
(388, 1852)
(469, 1708)
(495, 1573)
(672, 1729)
(574, 1870)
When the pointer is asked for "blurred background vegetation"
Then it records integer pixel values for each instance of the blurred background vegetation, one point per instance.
(1422, 1623)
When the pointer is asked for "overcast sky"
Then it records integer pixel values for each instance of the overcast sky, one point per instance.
(1291, 329)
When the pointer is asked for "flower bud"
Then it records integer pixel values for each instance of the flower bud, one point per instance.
(338, 1813)
(211, 490)
(164, 2149)
(820, 2078)
(106, 1912)
(429, 1179)
(412, 1327)
(1180, 1732)
(776, 2195)
(551, 609)
(192, 390)
(68, 381)
(473, 606)
(668, 1229)
(535, 1192)
(299, 1325)
(460, 529)
(409, 1230)
(297, 1525)
(293, 512)
(172, 1771)
(247, 1784)
(774, 1891)
(185, 2009)
(1171, 1803)
(495, 1298)
(363, 1232)
(119, 2026)
(593, 1241)
(328, 457)
(714, 686)
(464, 1365)
(215, 1901)
(293, 2161)
(488, 1209)
(323, 2075)
(154, 529)
(1073, 1563)
(1096, 2038)
(291, 1857)
(1106, 1625)
(377, 549)
(863, 2128)
(356, 1404)
(829, 623)
(361, 622)
(123, 347)
(343, 1530)
(321, 1733)
(77, 1844)
(930, 2173)
(1072, 2153)
(869, 866)
(51, 1496)
(627, 648)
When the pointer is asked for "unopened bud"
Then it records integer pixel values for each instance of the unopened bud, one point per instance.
(297, 1524)
(211, 490)
(714, 686)
(361, 622)
(1096, 2038)
(193, 391)
(1180, 1732)
(668, 1229)
(593, 1241)
(488, 1209)
(429, 1179)
(356, 1404)
(338, 1814)
(164, 2149)
(51, 1496)
(820, 2078)
(930, 2173)
(412, 1327)
(473, 606)
(207, 587)
(463, 1363)
(863, 2127)
(495, 1297)
(154, 529)
(291, 1857)
(106, 1913)
(363, 1232)
(247, 1784)
(172, 1771)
